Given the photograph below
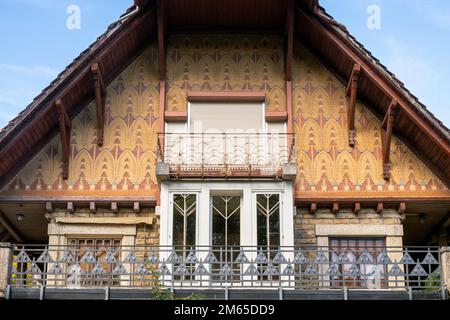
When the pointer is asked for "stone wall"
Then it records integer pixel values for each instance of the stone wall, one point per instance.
(5, 263)
(134, 228)
(305, 223)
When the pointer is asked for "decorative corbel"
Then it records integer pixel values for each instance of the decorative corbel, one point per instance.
(100, 101)
(64, 130)
(387, 127)
(351, 93)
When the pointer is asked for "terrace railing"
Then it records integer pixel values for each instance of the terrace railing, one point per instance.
(231, 154)
(299, 268)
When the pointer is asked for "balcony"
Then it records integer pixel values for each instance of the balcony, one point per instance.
(226, 155)
(118, 272)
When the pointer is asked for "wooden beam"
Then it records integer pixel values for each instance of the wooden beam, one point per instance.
(386, 137)
(49, 207)
(402, 208)
(335, 207)
(64, 130)
(357, 208)
(5, 236)
(100, 98)
(63, 200)
(290, 39)
(226, 96)
(289, 111)
(380, 207)
(10, 228)
(352, 90)
(161, 23)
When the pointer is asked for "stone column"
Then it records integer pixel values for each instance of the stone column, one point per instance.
(445, 265)
(6, 257)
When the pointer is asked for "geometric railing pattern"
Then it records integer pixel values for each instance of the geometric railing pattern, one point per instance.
(300, 268)
(233, 153)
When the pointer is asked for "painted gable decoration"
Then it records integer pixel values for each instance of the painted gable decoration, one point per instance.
(126, 163)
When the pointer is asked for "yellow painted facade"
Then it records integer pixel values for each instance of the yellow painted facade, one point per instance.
(125, 165)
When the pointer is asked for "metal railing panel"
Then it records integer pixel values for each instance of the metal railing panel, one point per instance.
(299, 268)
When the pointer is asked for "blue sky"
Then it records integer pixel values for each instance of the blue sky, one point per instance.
(413, 42)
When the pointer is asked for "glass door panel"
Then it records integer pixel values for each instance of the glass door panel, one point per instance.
(226, 217)
(268, 232)
(184, 231)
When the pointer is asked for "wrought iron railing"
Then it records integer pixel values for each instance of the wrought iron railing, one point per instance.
(300, 268)
(228, 153)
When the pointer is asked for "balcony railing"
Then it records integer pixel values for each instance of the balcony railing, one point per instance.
(297, 268)
(226, 154)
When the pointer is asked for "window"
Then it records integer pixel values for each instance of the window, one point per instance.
(95, 260)
(226, 133)
(226, 117)
(357, 261)
(184, 220)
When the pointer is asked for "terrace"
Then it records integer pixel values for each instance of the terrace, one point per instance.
(111, 271)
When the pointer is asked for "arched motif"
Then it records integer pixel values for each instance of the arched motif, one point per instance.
(310, 135)
(127, 168)
(105, 168)
(115, 133)
(139, 134)
(305, 167)
(146, 163)
(300, 102)
(333, 132)
(368, 167)
(185, 71)
(82, 167)
(367, 135)
(276, 100)
(268, 73)
(320, 101)
(338, 105)
(176, 99)
(226, 73)
(323, 167)
(345, 167)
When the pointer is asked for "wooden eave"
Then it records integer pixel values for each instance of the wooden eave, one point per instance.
(37, 124)
(113, 51)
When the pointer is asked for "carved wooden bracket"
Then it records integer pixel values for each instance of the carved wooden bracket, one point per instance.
(100, 98)
(64, 130)
(387, 127)
(351, 93)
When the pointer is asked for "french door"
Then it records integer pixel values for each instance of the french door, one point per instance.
(221, 228)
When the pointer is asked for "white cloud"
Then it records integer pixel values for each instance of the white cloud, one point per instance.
(19, 85)
(33, 71)
(416, 72)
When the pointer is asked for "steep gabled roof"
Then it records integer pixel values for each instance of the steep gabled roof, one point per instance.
(116, 48)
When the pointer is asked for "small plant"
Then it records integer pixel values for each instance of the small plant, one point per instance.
(433, 281)
(159, 293)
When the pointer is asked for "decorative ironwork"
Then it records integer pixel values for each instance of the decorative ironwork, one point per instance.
(301, 268)
(226, 154)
